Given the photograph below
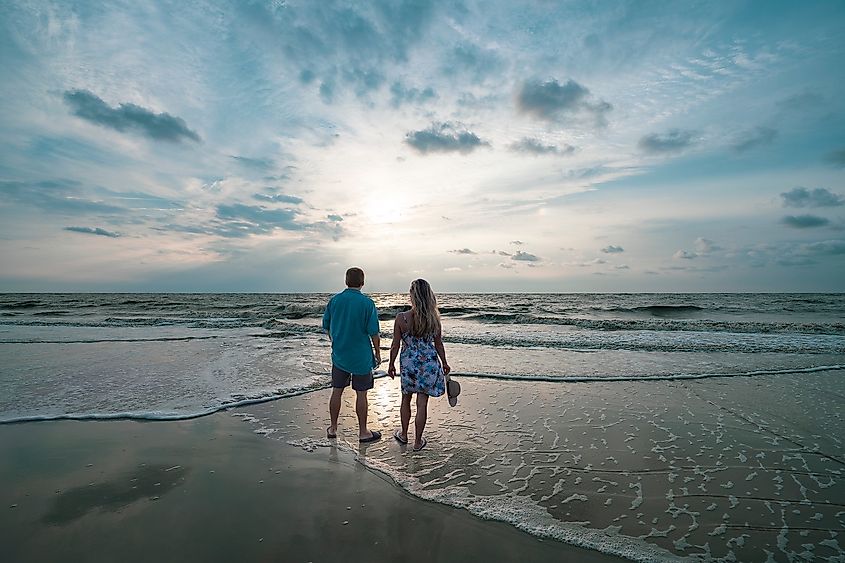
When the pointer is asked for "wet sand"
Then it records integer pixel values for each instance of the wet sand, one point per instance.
(211, 489)
(737, 468)
(734, 468)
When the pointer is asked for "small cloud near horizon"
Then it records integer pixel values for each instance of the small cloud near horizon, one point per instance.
(612, 249)
(819, 197)
(93, 231)
(525, 257)
(804, 221)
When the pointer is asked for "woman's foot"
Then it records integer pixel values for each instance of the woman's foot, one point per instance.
(401, 438)
(420, 445)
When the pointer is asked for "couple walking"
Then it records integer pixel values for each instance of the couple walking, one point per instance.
(351, 320)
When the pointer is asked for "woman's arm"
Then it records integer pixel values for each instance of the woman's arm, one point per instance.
(441, 351)
(394, 347)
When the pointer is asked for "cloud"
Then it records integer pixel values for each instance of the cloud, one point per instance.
(452, 269)
(672, 141)
(684, 255)
(254, 163)
(93, 231)
(506, 266)
(836, 158)
(553, 102)
(517, 242)
(444, 137)
(799, 102)
(283, 218)
(611, 249)
(238, 220)
(622, 267)
(400, 95)
(463, 251)
(819, 197)
(471, 61)
(278, 198)
(804, 221)
(705, 246)
(824, 248)
(56, 196)
(157, 126)
(535, 147)
(757, 137)
(525, 257)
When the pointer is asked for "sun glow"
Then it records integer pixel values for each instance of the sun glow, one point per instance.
(385, 209)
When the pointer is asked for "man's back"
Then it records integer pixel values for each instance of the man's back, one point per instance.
(351, 319)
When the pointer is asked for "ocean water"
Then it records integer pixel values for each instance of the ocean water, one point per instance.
(705, 427)
(164, 356)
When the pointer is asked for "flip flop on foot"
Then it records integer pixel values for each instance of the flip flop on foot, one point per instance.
(374, 435)
(329, 434)
(422, 445)
(399, 438)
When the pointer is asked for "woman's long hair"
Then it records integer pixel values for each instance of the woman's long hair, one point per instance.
(426, 319)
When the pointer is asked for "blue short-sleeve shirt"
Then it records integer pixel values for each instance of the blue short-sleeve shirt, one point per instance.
(350, 319)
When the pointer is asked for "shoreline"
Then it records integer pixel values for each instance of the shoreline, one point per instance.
(213, 489)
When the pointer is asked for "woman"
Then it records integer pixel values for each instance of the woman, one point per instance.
(418, 330)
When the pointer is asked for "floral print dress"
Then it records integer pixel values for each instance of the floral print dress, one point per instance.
(420, 370)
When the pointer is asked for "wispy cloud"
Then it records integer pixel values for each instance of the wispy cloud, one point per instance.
(684, 255)
(444, 137)
(533, 146)
(754, 138)
(705, 246)
(254, 163)
(612, 249)
(128, 117)
(836, 158)
(56, 196)
(674, 140)
(400, 95)
(93, 231)
(463, 251)
(804, 221)
(278, 198)
(818, 197)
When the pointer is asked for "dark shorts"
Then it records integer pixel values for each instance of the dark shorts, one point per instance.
(340, 379)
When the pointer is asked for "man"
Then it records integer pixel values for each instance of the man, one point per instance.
(351, 320)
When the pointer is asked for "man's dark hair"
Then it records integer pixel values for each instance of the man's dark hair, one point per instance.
(354, 277)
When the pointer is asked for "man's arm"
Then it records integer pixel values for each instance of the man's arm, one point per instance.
(373, 330)
(377, 347)
(327, 319)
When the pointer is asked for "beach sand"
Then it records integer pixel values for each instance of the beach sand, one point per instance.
(740, 468)
(211, 489)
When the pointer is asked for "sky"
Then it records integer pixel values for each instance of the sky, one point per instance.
(266, 146)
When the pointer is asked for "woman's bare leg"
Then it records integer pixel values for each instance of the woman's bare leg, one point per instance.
(422, 416)
(405, 414)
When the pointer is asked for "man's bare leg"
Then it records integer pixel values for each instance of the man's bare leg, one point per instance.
(334, 409)
(361, 407)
